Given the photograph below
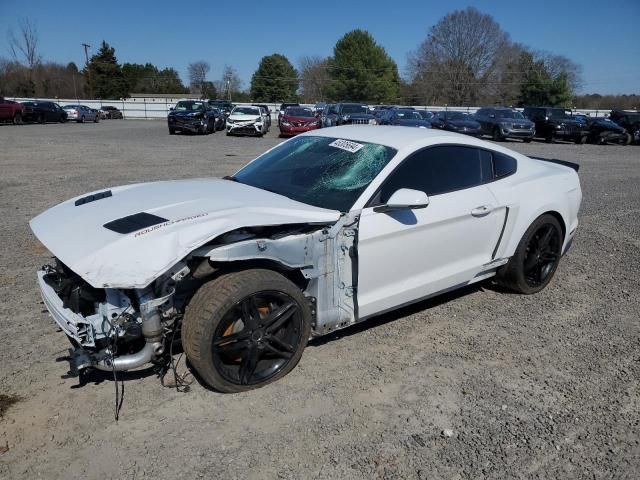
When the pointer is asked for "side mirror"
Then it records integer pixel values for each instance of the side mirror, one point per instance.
(171, 109)
(405, 198)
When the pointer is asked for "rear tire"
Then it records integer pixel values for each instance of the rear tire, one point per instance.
(81, 119)
(246, 329)
(172, 131)
(536, 259)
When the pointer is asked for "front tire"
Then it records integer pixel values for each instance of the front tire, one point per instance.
(246, 329)
(496, 135)
(17, 119)
(536, 259)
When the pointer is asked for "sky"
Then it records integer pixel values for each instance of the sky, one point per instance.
(603, 37)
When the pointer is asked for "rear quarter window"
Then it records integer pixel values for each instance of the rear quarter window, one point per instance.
(503, 165)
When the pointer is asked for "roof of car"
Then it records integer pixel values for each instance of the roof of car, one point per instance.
(391, 136)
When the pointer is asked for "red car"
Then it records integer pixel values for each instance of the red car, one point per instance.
(11, 111)
(298, 120)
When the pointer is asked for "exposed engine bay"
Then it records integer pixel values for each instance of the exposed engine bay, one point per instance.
(121, 329)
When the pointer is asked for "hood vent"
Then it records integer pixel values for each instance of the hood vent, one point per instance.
(93, 198)
(133, 223)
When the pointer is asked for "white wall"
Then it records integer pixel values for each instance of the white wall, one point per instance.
(157, 108)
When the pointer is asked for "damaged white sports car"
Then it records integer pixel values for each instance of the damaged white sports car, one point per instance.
(321, 232)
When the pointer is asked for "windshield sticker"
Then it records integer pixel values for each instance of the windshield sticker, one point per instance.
(347, 145)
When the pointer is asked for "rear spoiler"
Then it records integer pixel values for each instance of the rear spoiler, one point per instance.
(564, 163)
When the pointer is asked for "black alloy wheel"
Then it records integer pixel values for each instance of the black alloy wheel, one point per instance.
(533, 264)
(542, 255)
(245, 329)
(257, 338)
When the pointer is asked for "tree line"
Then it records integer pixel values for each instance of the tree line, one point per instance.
(465, 59)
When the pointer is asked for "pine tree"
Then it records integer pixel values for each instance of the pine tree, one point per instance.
(275, 80)
(361, 70)
(104, 75)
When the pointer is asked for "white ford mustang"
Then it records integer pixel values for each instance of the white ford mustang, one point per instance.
(321, 232)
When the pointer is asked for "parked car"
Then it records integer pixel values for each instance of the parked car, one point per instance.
(426, 115)
(81, 113)
(42, 112)
(110, 112)
(283, 107)
(297, 120)
(220, 119)
(556, 123)
(224, 106)
(459, 122)
(502, 123)
(246, 121)
(630, 121)
(354, 114)
(318, 108)
(195, 116)
(266, 112)
(603, 131)
(329, 116)
(321, 232)
(10, 111)
(403, 117)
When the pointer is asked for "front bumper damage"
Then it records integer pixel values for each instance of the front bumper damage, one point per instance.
(244, 128)
(189, 124)
(120, 335)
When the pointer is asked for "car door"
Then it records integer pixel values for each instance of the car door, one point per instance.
(405, 255)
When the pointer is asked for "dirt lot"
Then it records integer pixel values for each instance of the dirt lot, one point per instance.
(543, 386)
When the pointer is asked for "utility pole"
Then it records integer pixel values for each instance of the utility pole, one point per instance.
(86, 52)
(86, 65)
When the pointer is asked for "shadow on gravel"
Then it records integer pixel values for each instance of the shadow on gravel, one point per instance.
(6, 401)
(385, 318)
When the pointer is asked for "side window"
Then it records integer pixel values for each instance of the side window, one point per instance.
(503, 165)
(439, 170)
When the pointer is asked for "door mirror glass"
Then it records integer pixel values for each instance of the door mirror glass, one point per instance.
(405, 198)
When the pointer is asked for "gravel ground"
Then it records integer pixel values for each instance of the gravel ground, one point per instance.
(478, 384)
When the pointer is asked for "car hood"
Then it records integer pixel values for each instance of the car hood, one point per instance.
(185, 113)
(287, 118)
(412, 122)
(241, 117)
(196, 211)
(367, 116)
(607, 125)
(464, 123)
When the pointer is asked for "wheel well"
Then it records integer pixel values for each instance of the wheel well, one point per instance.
(560, 221)
(295, 275)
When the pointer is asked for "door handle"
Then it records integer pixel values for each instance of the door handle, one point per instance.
(481, 211)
